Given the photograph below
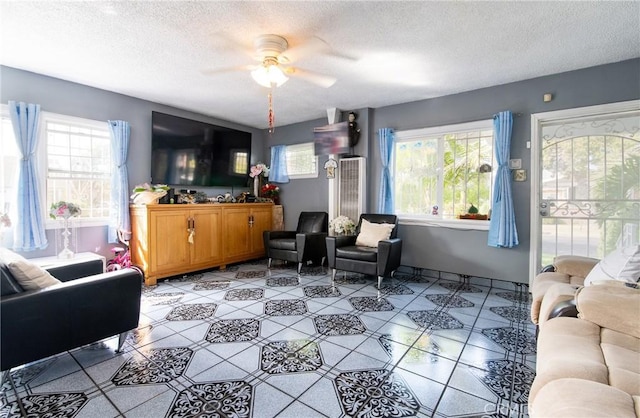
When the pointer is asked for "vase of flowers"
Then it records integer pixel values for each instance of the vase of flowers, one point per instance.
(258, 173)
(65, 211)
(342, 225)
(146, 194)
(271, 191)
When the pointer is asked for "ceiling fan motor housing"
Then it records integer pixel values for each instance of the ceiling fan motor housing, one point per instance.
(270, 45)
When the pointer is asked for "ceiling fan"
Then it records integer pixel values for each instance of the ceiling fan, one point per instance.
(274, 55)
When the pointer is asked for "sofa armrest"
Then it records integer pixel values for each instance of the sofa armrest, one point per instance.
(389, 254)
(558, 300)
(611, 305)
(574, 265)
(311, 245)
(269, 235)
(40, 323)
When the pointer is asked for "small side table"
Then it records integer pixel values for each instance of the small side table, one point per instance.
(78, 258)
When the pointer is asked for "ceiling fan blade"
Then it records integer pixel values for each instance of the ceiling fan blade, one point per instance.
(214, 71)
(321, 80)
(313, 45)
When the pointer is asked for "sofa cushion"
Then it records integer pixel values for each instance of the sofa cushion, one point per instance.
(28, 275)
(612, 306)
(288, 244)
(580, 349)
(622, 264)
(576, 398)
(569, 347)
(371, 233)
(8, 285)
(360, 253)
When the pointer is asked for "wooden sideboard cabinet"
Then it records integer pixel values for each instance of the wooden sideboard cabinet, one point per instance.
(169, 240)
(243, 231)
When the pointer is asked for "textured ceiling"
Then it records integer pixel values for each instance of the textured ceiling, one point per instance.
(400, 51)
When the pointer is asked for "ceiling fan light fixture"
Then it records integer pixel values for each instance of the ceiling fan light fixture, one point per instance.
(269, 75)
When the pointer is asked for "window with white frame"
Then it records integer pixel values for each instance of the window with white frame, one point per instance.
(301, 161)
(240, 161)
(78, 163)
(440, 172)
(74, 157)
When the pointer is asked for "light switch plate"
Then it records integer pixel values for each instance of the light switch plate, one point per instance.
(515, 163)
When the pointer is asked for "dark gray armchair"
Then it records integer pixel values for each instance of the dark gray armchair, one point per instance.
(304, 244)
(381, 261)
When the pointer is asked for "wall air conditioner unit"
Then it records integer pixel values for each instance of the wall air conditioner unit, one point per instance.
(351, 187)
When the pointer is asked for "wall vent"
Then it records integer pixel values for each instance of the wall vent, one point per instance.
(352, 187)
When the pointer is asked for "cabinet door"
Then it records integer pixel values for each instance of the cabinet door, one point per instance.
(237, 240)
(207, 237)
(261, 222)
(168, 240)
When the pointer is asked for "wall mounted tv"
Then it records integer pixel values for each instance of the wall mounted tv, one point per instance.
(190, 153)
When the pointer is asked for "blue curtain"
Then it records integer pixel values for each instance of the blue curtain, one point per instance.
(29, 230)
(278, 170)
(502, 227)
(385, 196)
(119, 208)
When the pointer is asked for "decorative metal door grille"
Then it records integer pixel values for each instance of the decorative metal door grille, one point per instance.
(590, 185)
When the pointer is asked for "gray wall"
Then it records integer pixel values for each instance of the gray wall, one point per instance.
(300, 194)
(67, 98)
(462, 251)
(466, 252)
(311, 194)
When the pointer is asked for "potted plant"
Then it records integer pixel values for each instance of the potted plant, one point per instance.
(271, 191)
(145, 194)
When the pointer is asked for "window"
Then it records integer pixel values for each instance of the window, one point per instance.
(75, 164)
(449, 167)
(78, 163)
(301, 161)
(240, 162)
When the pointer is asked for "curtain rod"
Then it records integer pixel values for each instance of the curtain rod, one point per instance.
(515, 114)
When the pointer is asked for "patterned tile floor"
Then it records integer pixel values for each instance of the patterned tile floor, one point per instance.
(247, 342)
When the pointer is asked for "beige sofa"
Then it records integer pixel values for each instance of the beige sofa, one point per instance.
(549, 289)
(590, 366)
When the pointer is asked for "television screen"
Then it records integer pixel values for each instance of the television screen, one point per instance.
(331, 139)
(190, 153)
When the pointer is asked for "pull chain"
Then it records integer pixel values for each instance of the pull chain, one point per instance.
(271, 114)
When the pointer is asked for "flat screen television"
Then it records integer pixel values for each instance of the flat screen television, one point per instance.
(186, 152)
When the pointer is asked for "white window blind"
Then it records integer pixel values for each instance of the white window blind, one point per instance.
(301, 161)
